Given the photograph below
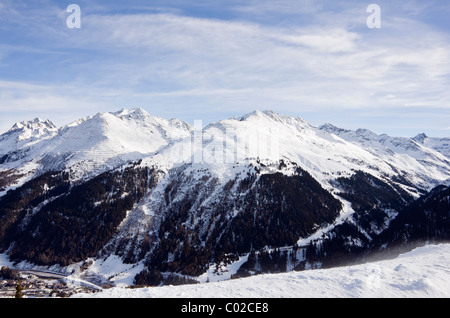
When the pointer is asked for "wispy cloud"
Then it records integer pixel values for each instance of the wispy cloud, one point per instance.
(319, 57)
(193, 53)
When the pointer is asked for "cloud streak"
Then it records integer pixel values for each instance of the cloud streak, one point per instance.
(193, 53)
(328, 61)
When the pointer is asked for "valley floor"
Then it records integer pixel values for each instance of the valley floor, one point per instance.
(422, 273)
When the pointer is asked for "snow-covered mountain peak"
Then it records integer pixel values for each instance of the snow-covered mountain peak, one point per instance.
(89, 145)
(332, 129)
(109, 139)
(26, 132)
(106, 140)
(136, 113)
(35, 127)
(420, 138)
(258, 115)
(254, 114)
(131, 124)
(171, 129)
(175, 122)
(367, 134)
(325, 153)
(441, 145)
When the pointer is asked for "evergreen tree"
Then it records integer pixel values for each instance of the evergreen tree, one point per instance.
(19, 288)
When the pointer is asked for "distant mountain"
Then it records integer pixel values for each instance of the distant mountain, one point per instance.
(87, 147)
(26, 130)
(441, 145)
(176, 201)
(23, 136)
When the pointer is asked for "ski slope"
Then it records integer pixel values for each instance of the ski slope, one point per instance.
(421, 273)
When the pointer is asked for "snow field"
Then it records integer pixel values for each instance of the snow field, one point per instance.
(422, 273)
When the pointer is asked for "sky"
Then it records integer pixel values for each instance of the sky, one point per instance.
(319, 60)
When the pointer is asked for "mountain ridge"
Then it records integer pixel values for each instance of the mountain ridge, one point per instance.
(173, 200)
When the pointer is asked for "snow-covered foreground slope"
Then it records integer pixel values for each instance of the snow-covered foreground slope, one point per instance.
(423, 272)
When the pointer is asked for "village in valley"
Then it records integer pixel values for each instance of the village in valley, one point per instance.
(29, 284)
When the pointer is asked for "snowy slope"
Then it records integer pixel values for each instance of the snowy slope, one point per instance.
(26, 133)
(417, 162)
(18, 147)
(324, 153)
(203, 173)
(199, 167)
(423, 272)
(106, 140)
(441, 145)
(88, 146)
(98, 143)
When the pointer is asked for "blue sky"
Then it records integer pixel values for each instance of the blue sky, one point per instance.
(212, 60)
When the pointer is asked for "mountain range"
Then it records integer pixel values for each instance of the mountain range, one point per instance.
(171, 201)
